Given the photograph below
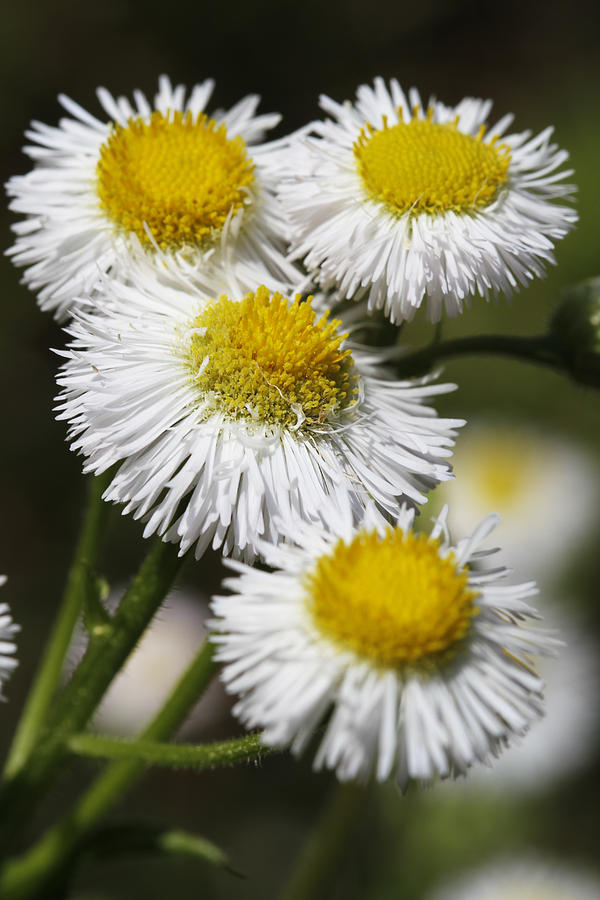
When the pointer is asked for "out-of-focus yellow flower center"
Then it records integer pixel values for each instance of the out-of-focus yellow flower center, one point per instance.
(179, 174)
(270, 359)
(391, 599)
(501, 478)
(498, 467)
(422, 166)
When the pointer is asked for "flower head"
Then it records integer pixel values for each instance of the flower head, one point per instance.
(234, 417)
(404, 202)
(167, 175)
(415, 661)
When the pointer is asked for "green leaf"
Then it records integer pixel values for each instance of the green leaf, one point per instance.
(137, 838)
(182, 842)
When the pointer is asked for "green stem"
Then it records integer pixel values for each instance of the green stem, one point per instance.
(177, 756)
(320, 857)
(121, 775)
(27, 877)
(48, 675)
(541, 349)
(105, 655)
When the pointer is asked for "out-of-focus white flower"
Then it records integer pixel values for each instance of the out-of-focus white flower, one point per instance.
(164, 652)
(418, 664)
(522, 879)
(232, 419)
(404, 202)
(163, 174)
(525, 476)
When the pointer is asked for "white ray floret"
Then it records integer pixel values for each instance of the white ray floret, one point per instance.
(200, 465)
(404, 202)
(350, 637)
(8, 648)
(565, 741)
(80, 217)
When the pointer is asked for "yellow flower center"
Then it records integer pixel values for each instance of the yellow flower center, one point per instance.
(270, 359)
(391, 599)
(180, 176)
(422, 166)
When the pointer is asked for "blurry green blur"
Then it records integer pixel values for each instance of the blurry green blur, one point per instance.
(541, 62)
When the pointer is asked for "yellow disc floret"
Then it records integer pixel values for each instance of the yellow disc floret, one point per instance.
(392, 599)
(270, 359)
(177, 174)
(422, 166)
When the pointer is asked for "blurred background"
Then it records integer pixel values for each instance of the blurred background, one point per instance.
(541, 62)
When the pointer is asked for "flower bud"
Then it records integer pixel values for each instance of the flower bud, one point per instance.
(575, 327)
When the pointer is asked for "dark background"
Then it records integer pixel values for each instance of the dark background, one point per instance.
(540, 61)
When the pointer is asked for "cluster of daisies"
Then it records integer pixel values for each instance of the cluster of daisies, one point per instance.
(200, 271)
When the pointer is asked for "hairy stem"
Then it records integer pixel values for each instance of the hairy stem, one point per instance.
(105, 656)
(28, 876)
(47, 677)
(177, 756)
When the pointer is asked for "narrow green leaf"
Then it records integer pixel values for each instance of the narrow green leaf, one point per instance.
(120, 840)
(181, 842)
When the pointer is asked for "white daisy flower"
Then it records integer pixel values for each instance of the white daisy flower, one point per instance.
(227, 413)
(522, 878)
(524, 475)
(8, 629)
(402, 202)
(414, 664)
(165, 174)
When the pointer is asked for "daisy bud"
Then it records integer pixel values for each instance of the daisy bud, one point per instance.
(575, 327)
